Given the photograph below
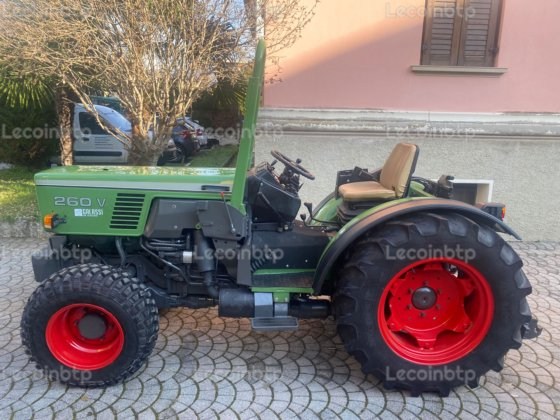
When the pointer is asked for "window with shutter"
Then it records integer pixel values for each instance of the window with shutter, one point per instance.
(461, 32)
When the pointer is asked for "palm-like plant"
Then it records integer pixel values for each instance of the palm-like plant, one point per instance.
(27, 100)
(25, 103)
(223, 106)
(17, 91)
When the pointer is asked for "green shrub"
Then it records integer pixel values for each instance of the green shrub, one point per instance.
(28, 136)
(223, 107)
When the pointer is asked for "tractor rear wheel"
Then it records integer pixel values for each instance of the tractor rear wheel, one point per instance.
(90, 325)
(431, 301)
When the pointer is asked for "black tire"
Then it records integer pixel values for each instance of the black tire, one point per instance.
(189, 148)
(176, 158)
(371, 265)
(212, 143)
(122, 298)
(181, 156)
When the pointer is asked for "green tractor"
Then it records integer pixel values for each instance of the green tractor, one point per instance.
(426, 294)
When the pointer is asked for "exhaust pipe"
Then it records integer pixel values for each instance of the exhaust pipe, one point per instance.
(240, 303)
(206, 264)
(236, 303)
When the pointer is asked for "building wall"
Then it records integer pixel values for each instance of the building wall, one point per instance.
(525, 170)
(358, 53)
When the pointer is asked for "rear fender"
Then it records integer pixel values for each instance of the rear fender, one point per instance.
(325, 210)
(382, 214)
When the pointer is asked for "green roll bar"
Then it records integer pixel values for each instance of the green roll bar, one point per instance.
(247, 144)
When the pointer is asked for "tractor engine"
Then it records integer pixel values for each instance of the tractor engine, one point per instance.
(187, 263)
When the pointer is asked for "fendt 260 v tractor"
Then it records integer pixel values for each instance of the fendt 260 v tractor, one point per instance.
(416, 281)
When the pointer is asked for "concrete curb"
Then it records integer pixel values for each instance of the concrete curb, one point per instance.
(22, 228)
(425, 124)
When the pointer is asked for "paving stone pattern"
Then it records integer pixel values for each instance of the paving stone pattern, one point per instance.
(207, 367)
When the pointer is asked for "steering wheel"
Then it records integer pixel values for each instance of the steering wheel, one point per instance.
(294, 166)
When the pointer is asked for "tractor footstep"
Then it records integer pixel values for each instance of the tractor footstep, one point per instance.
(286, 323)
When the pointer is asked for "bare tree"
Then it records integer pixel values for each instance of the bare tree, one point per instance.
(156, 56)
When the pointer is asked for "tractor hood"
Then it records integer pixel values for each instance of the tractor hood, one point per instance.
(182, 179)
(115, 200)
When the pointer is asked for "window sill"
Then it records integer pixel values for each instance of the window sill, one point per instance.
(483, 71)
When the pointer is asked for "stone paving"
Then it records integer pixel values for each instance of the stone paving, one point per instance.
(207, 367)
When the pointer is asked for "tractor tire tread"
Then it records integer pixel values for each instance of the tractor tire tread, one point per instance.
(361, 260)
(101, 280)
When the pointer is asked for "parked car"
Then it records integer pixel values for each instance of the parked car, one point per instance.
(92, 144)
(186, 140)
(198, 131)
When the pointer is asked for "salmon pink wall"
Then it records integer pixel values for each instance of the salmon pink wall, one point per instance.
(358, 53)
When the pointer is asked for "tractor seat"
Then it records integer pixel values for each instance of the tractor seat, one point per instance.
(393, 180)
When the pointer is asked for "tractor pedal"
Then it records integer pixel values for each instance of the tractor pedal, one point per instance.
(284, 323)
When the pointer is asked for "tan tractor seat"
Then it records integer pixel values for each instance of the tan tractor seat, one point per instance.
(365, 191)
(393, 181)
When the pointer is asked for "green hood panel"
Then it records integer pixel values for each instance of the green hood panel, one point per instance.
(115, 200)
(139, 178)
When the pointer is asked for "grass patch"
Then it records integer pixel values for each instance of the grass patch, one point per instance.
(217, 157)
(17, 194)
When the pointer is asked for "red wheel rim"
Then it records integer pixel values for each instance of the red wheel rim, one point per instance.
(436, 311)
(85, 337)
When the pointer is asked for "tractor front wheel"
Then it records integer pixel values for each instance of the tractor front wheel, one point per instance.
(90, 325)
(431, 302)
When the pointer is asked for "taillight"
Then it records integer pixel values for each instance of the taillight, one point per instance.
(497, 210)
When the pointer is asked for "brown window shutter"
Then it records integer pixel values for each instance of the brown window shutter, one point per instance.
(442, 32)
(479, 34)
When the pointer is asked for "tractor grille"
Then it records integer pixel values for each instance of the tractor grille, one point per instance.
(127, 211)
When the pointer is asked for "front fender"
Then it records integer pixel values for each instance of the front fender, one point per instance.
(381, 214)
